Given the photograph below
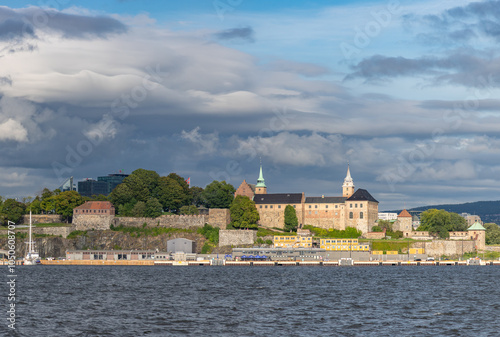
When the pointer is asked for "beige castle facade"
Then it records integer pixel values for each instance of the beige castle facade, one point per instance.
(355, 208)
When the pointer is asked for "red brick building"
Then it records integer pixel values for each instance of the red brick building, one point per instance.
(95, 208)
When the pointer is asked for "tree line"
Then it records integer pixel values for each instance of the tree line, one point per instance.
(143, 193)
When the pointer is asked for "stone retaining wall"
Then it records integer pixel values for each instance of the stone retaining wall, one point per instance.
(42, 218)
(57, 231)
(84, 222)
(217, 217)
(175, 221)
(236, 237)
(438, 248)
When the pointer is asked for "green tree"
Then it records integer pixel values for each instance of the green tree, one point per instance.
(187, 196)
(138, 210)
(384, 224)
(441, 222)
(35, 206)
(65, 202)
(122, 195)
(153, 208)
(170, 194)
(189, 210)
(47, 201)
(197, 194)
(291, 221)
(142, 184)
(12, 210)
(218, 194)
(377, 229)
(492, 234)
(100, 197)
(243, 213)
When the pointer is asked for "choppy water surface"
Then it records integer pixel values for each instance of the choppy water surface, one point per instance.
(256, 301)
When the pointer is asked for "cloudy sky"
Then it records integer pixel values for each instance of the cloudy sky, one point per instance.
(407, 92)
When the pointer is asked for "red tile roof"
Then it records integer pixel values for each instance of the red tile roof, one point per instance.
(404, 214)
(96, 205)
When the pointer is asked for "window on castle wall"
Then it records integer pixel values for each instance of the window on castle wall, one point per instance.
(260, 206)
(315, 206)
(309, 206)
(279, 206)
(350, 205)
(266, 206)
(309, 212)
(271, 206)
(351, 215)
(360, 205)
(356, 205)
(293, 206)
(361, 215)
(326, 206)
(336, 206)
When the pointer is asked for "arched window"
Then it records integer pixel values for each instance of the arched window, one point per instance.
(350, 215)
(361, 215)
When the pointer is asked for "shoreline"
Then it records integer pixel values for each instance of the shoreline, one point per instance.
(266, 263)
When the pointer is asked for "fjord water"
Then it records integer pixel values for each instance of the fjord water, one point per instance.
(256, 301)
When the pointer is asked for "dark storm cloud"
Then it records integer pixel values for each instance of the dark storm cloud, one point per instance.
(236, 34)
(460, 24)
(13, 28)
(460, 67)
(25, 22)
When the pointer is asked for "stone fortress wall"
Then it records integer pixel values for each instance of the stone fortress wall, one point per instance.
(42, 218)
(216, 217)
(237, 237)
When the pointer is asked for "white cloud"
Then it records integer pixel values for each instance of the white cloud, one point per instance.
(13, 130)
(206, 143)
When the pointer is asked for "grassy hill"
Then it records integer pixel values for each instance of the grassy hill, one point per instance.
(489, 211)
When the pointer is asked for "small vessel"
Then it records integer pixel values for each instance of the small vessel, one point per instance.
(32, 257)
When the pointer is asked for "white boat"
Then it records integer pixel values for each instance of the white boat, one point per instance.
(32, 257)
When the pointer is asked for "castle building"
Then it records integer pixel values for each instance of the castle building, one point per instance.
(355, 208)
(404, 222)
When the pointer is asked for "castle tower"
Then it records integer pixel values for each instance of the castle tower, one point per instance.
(261, 188)
(348, 186)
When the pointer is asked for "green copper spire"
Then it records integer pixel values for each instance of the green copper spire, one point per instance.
(260, 181)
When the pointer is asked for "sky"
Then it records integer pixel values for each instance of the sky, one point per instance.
(406, 92)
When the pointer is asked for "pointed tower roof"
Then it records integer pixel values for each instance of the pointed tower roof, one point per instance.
(260, 181)
(476, 227)
(348, 179)
(404, 214)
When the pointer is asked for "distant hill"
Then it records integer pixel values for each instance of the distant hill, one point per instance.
(489, 211)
